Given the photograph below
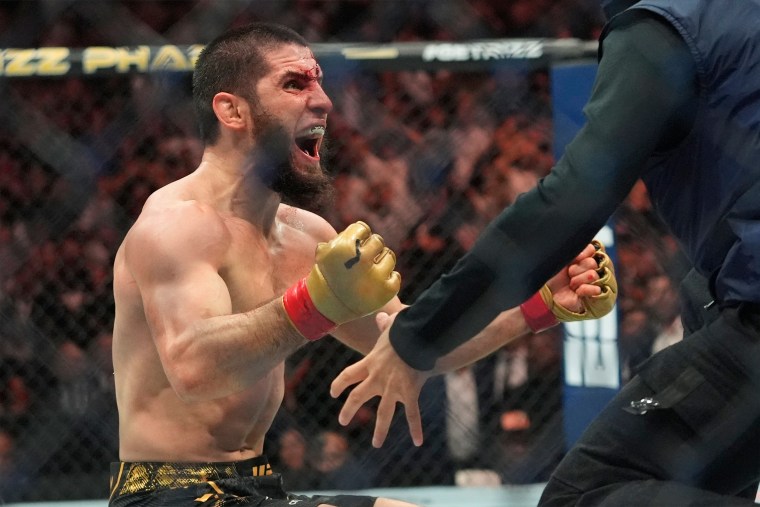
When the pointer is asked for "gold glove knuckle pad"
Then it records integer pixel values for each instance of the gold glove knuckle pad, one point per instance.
(605, 275)
(354, 274)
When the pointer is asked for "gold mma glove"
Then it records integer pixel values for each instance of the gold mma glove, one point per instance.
(353, 276)
(542, 312)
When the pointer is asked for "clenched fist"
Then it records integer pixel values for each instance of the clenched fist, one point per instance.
(543, 311)
(353, 276)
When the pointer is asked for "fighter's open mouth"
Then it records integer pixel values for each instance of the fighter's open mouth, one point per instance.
(310, 143)
(308, 146)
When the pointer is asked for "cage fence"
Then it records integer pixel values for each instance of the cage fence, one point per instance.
(427, 143)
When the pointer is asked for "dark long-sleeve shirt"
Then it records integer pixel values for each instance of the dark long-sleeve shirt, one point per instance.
(643, 101)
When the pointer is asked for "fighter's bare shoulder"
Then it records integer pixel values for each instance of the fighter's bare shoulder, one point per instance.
(311, 224)
(173, 230)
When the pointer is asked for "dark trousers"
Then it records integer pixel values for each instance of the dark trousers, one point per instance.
(684, 431)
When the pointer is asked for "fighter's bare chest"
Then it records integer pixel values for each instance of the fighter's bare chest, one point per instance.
(258, 268)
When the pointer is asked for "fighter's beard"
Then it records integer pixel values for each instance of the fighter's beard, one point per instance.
(307, 189)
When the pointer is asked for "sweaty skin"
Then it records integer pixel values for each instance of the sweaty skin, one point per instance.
(156, 424)
(200, 332)
(200, 336)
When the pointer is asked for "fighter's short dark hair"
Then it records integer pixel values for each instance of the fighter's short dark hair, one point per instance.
(233, 62)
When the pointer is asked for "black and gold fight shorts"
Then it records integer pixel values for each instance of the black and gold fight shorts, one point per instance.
(240, 483)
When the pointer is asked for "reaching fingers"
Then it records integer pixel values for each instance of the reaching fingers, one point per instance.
(414, 420)
(358, 397)
(385, 411)
(348, 377)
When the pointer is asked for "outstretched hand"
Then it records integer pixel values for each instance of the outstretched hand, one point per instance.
(382, 373)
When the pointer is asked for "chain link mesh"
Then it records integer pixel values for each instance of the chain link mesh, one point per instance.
(427, 158)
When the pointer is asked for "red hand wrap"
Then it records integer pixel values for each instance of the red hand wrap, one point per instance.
(538, 316)
(303, 314)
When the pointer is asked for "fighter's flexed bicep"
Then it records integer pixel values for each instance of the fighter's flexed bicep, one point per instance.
(174, 254)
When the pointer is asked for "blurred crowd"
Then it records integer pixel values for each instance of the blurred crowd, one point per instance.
(426, 158)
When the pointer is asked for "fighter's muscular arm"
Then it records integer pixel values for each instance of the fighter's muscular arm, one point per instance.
(584, 289)
(362, 334)
(632, 111)
(642, 101)
(207, 352)
(577, 288)
(577, 292)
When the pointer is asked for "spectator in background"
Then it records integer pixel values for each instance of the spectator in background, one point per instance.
(637, 332)
(520, 408)
(75, 387)
(67, 418)
(473, 129)
(504, 374)
(464, 414)
(15, 395)
(102, 409)
(154, 119)
(432, 158)
(393, 209)
(13, 480)
(664, 308)
(293, 457)
(674, 103)
(339, 468)
(531, 416)
(19, 341)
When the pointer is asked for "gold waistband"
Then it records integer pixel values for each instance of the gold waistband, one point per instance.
(134, 477)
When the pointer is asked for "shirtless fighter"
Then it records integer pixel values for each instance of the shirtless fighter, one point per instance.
(217, 282)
